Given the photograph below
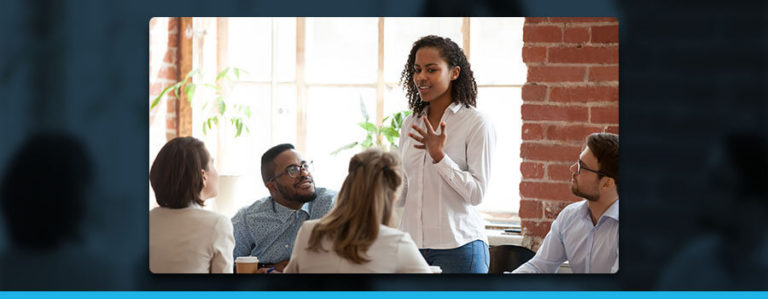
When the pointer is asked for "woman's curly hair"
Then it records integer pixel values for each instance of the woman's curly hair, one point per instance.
(463, 89)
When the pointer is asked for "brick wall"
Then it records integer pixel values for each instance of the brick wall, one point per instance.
(571, 91)
(163, 72)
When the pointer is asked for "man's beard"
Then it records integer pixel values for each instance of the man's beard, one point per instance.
(590, 197)
(296, 197)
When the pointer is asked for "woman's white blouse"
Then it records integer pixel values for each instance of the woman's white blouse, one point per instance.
(440, 198)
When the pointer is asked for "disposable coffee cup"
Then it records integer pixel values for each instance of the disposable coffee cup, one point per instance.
(435, 269)
(247, 264)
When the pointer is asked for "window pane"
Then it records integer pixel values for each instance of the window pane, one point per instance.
(286, 49)
(341, 50)
(333, 115)
(502, 105)
(285, 115)
(238, 153)
(401, 33)
(394, 100)
(249, 46)
(496, 46)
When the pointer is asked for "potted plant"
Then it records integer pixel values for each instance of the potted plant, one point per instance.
(377, 134)
(216, 108)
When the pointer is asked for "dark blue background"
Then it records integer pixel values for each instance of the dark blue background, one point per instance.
(692, 118)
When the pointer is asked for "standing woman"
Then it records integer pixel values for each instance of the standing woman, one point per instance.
(446, 157)
(184, 238)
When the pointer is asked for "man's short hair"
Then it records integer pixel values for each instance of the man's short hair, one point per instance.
(268, 160)
(605, 147)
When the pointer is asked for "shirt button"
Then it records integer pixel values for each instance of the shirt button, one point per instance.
(286, 245)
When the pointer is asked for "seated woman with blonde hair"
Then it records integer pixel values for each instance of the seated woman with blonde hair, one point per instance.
(184, 238)
(357, 235)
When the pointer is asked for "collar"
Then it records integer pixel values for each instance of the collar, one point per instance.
(612, 211)
(455, 107)
(284, 212)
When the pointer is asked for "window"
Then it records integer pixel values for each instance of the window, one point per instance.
(307, 76)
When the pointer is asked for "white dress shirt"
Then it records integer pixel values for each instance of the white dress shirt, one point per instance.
(190, 240)
(393, 251)
(588, 248)
(440, 198)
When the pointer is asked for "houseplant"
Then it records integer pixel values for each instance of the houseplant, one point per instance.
(377, 134)
(216, 108)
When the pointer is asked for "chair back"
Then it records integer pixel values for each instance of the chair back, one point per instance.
(508, 257)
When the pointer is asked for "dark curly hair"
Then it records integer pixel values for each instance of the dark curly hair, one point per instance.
(463, 89)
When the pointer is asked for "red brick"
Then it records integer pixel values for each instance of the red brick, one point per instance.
(532, 92)
(571, 133)
(552, 208)
(559, 172)
(582, 20)
(534, 54)
(548, 191)
(530, 209)
(605, 34)
(157, 40)
(169, 57)
(584, 54)
(532, 132)
(576, 35)
(557, 113)
(172, 105)
(173, 23)
(155, 88)
(549, 152)
(542, 34)
(535, 20)
(604, 115)
(585, 94)
(167, 72)
(612, 129)
(535, 227)
(603, 73)
(532, 170)
(556, 73)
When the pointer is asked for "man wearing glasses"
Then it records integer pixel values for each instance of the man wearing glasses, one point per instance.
(586, 233)
(267, 228)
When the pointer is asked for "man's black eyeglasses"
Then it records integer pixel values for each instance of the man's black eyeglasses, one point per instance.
(295, 170)
(579, 167)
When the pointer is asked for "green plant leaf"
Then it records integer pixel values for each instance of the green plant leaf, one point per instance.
(205, 129)
(369, 127)
(190, 91)
(346, 147)
(248, 111)
(364, 110)
(157, 99)
(222, 74)
(389, 132)
(216, 120)
(367, 143)
(239, 128)
(222, 106)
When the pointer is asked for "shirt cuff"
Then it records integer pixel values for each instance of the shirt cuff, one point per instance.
(446, 166)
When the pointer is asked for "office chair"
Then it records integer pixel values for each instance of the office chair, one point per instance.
(508, 258)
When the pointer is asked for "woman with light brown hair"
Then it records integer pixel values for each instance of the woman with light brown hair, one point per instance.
(357, 235)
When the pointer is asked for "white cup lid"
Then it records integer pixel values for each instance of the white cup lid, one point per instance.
(247, 259)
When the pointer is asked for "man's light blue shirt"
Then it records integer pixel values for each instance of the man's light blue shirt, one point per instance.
(267, 230)
(588, 248)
